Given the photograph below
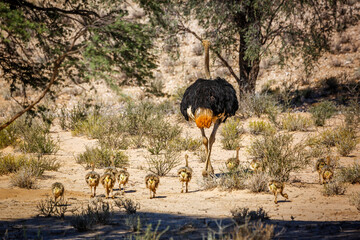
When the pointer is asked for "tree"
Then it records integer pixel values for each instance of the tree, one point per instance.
(249, 29)
(43, 43)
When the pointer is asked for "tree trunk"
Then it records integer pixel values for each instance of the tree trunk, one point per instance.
(248, 70)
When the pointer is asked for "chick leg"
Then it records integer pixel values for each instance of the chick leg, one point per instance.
(182, 187)
(151, 194)
(186, 184)
(94, 191)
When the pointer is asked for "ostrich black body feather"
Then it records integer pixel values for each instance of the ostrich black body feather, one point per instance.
(217, 95)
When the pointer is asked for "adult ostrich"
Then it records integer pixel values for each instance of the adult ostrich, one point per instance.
(209, 101)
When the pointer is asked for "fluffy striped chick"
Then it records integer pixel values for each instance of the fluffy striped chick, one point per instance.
(108, 181)
(320, 164)
(152, 182)
(92, 179)
(326, 174)
(57, 190)
(123, 178)
(277, 187)
(255, 165)
(233, 163)
(185, 174)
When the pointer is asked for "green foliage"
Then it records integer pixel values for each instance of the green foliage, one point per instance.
(8, 136)
(187, 144)
(160, 134)
(101, 157)
(350, 174)
(231, 132)
(12, 163)
(258, 104)
(279, 155)
(234, 179)
(261, 127)
(322, 111)
(149, 234)
(296, 122)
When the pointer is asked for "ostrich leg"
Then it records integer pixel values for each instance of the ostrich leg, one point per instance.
(205, 141)
(208, 167)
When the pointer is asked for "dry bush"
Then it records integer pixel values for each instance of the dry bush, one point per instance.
(261, 127)
(350, 174)
(208, 183)
(352, 113)
(24, 178)
(133, 221)
(334, 188)
(257, 105)
(149, 234)
(101, 157)
(187, 144)
(91, 126)
(201, 154)
(296, 122)
(322, 111)
(231, 133)
(242, 215)
(98, 212)
(129, 205)
(279, 155)
(162, 164)
(156, 86)
(234, 179)
(50, 207)
(198, 49)
(346, 140)
(257, 182)
(355, 200)
(8, 136)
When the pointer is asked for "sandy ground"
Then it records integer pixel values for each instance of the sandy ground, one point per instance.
(306, 214)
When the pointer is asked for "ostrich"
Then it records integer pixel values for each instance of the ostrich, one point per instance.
(57, 190)
(209, 101)
(185, 174)
(92, 179)
(233, 163)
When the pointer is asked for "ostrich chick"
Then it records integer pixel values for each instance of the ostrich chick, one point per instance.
(92, 179)
(57, 190)
(208, 101)
(326, 174)
(255, 165)
(233, 163)
(152, 182)
(320, 164)
(277, 187)
(108, 181)
(122, 177)
(185, 174)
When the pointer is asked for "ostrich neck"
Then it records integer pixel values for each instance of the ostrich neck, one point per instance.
(207, 60)
(186, 162)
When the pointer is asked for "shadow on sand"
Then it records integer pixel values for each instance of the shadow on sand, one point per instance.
(179, 227)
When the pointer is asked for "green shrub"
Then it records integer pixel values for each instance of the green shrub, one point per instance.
(352, 114)
(69, 119)
(149, 234)
(36, 138)
(322, 111)
(162, 164)
(92, 126)
(350, 174)
(231, 132)
(160, 134)
(346, 140)
(101, 157)
(8, 136)
(12, 163)
(129, 205)
(296, 122)
(279, 155)
(261, 127)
